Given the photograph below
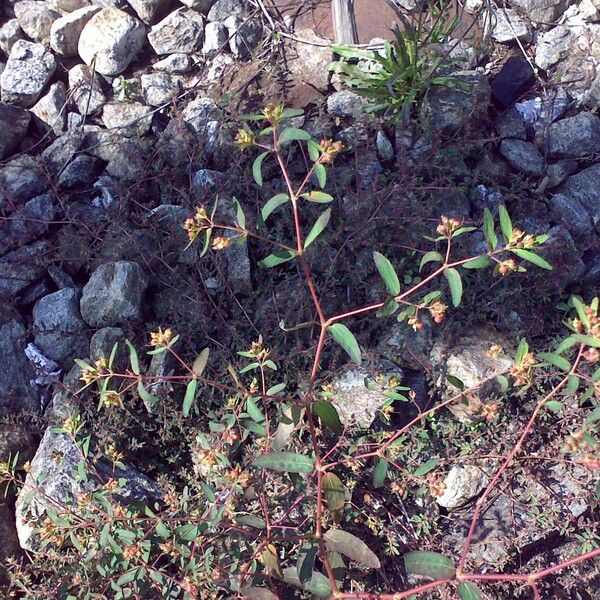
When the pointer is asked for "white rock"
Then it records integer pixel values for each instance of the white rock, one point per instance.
(554, 45)
(244, 35)
(354, 401)
(590, 10)
(131, 117)
(202, 6)
(199, 113)
(86, 91)
(29, 68)
(174, 63)
(218, 66)
(463, 482)
(65, 32)
(35, 18)
(506, 25)
(222, 9)
(10, 32)
(67, 5)
(181, 31)
(51, 109)
(215, 38)
(159, 88)
(111, 39)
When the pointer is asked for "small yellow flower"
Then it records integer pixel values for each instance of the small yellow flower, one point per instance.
(494, 351)
(448, 226)
(244, 139)
(273, 113)
(160, 337)
(507, 266)
(438, 311)
(111, 398)
(221, 243)
(329, 150)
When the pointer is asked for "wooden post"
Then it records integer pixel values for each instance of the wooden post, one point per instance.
(344, 21)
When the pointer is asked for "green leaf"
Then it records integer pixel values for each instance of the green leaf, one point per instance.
(290, 113)
(274, 390)
(380, 473)
(337, 540)
(162, 530)
(277, 258)
(256, 593)
(321, 175)
(188, 532)
(505, 223)
(239, 213)
(533, 258)
(306, 562)
(488, 229)
(251, 521)
(113, 354)
(456, 382)
(328, 415)
(272, 205)
(572, 384)
(133, 357)
(481, 262)
(554, 406)
(257, 168)
(188, 399)
(146, 396)
(345, 338)
(317, 228)
(522, 350)
(200, 362)
(293, 133)
(594, 415)
(580, 308)
(335, 494)
(253, 410)
(502, 382)
(468, 591)
(389, 308)
(554, 359)
(388, 273)
(430, 257)
(318, 584)
(314, 150)
(426, 467)
(285, 462)
(455, 282)
(318, 197)
(430, 564)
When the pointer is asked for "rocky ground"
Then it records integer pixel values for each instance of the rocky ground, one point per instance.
(117, 118)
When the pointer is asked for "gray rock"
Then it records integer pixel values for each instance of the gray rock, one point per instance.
(562, 253)
(238, 271)
(51, 109)
(32, 220)
(590, 10)
(59, 328)
(65, 32)
(543, 11)
(357, 397)
(10, 32)
(149, 11)
(400, 344)
(160, 88)
(554, 45)
(81, 171)
(131, 118)
(584, 187)
(110, 40)
(244, 35)
(575, 137)
(125, 156)
(180, 31)
(447, 109)
(463, 483)
(103, 340)
(113, 295)
(62, 150)
(572, 215)
(67, 5)
(523, 156)
(21, 179)
(506, 26)
(199, 112)
(28, 69)
(221, 9)
(14, 122)
(35, 19)
(467, 359)
(61, 279)
(511, 124)
(57, 481)
(86, 90)
(22, 267)
(346, 104)
(174, 63)
(384, 146)
(559, 171)
(216, 38)
(202, 6)
(16, 393)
